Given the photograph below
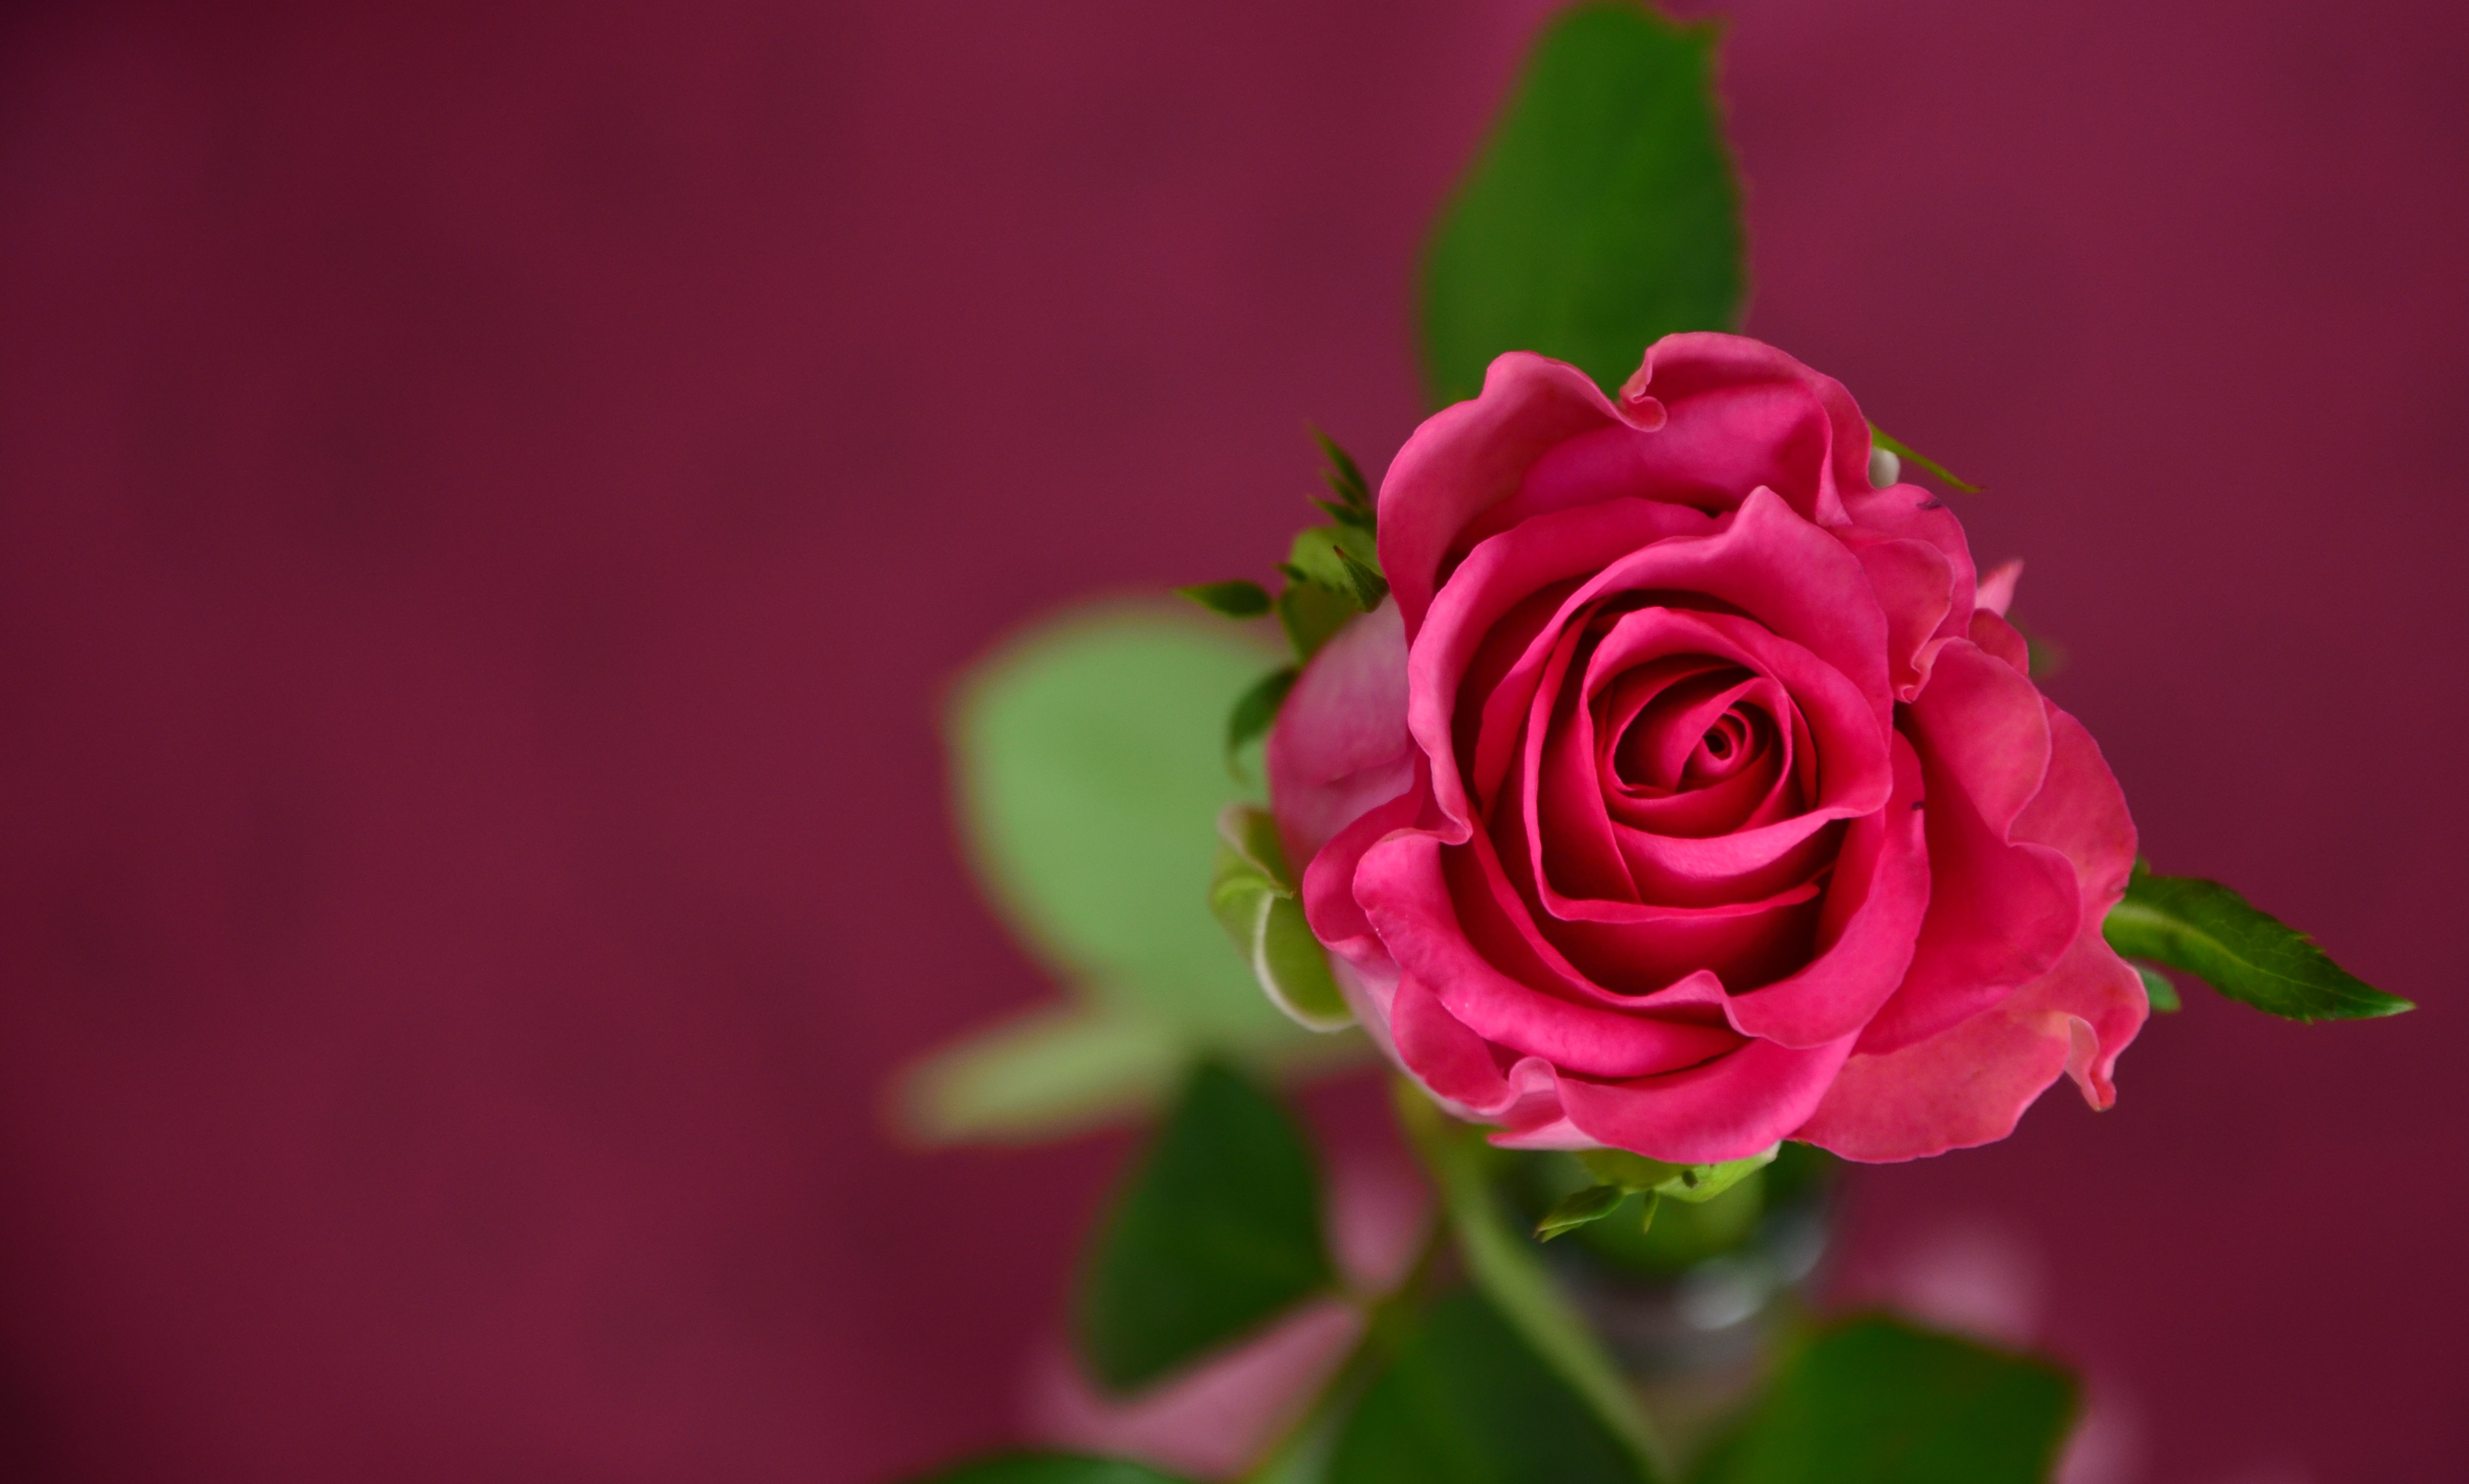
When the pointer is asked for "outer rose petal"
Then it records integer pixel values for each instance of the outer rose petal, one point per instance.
(1468, 457)
(1967, 1084)
(1340, 745)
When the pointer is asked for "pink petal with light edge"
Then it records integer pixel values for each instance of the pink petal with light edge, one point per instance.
(1997, 586)
(1340, 745)
(2001, 910)
(1969, 1085)
(1728, 1108)
(1469, 456)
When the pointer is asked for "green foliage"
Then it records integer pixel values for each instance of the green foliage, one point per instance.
(1873, 1401)
(1217, 1230)
(1508, 1268)
(1312, 614)
(1237, 599)
(1602, 214)
(1254, 896)
(1049, 1469)
(1879, 437)
(1344, 476)
(2209, 930)
(1256, 710)
(2159, 990)
(1467, 1400)
(1084, 758)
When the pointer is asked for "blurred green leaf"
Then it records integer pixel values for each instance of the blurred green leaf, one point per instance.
(1467, 1400)
(1087, 767)
(2159, 990)
(1049, 1469)
(1237, 599)
(2209, 930)
(1602, 214)
(1506, 1268)
(1217, 1231)
(1874, 1401)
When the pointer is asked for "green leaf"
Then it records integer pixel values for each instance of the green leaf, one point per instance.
(1578, 1208)
(2209, 930)
(1506, 1268)
(1256, 710)
(1467, 1400)
(1254, 897)
(1345, 476)
(1086, 763)
(1217, 1231)
(1602, 214)
(2159, 990)
(1235, 599)
(1873, 1401)
(1880, 438)
(1049, 1469)
(1311, 614)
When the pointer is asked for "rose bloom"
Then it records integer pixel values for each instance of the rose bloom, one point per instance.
(1689, 792)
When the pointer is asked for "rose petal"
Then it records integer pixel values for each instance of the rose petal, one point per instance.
(1729, 1108)
(1467, 457)
(1969, 1085)
(1341, 745)
(2000, 910)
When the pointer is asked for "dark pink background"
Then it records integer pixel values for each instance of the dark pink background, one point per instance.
(489, 495)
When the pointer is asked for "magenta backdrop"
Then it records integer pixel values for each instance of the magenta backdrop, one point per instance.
(489, 496)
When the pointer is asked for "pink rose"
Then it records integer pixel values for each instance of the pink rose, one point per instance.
(1690, 793)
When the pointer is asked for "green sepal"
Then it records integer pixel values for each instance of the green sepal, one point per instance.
(1345, 476)
(1311, 614)
(1237, 599)
(1879, 437)
(2213, 933)
(1254, 897)
(1693, 1183)
(1347, 515)
(2157, 990)
(1341, 559)
(1217, 1232)
(1579, 1208)
(1256, 710)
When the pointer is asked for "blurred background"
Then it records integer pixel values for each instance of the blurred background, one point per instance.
(491, 496)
